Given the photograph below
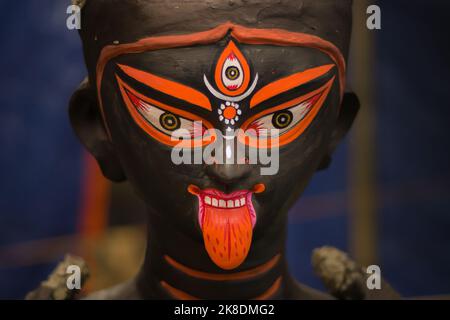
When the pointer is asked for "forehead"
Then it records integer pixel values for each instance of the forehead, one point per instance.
(152, 17)
(106, 22)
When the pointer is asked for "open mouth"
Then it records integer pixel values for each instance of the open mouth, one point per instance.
(227, 222)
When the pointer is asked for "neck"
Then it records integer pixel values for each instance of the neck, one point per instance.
(176, 266)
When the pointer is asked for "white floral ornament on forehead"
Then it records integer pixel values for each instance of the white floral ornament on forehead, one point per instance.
(229, 112)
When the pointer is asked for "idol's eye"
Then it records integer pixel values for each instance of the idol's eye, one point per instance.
(169, 121)
(282, 124)
(164, 123)
(232, 74)
(282, 119)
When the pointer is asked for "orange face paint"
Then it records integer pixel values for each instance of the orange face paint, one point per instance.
(229, 112)
(282, 85)
(171, 88)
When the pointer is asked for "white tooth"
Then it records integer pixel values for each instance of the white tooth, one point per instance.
(236, 203)
(214, 202)
(230, 204)
(242, 201)
(207, 200)
(222, 204)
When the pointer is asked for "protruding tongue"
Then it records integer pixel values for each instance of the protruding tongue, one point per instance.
(227, 234)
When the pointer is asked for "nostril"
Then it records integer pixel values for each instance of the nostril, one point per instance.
(246, 160)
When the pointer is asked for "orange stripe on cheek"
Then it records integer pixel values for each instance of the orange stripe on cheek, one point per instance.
(273, 89)
(171, 88)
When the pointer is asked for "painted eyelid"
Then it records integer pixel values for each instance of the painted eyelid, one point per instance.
(168, 87)
(305, 110)
(150, 128)
(304, 123)
(290, 105)
(282, 85)
(294, 106)
(180, 117)
(164, 110)
(179, 112)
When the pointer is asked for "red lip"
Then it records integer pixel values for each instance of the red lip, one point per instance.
(239, 198)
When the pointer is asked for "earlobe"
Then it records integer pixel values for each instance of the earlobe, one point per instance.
(349, 109)
(87, 123)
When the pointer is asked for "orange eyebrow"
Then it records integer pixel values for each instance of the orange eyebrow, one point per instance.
(290, 82)
(171, 88)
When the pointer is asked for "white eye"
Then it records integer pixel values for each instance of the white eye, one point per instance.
(168, 122)
(282, 120)
(232, 73)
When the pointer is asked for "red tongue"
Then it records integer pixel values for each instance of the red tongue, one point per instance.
(227, 234)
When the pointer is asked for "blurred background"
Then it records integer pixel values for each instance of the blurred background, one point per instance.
(385, 198)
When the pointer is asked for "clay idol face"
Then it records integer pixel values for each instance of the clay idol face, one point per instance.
(265, 95)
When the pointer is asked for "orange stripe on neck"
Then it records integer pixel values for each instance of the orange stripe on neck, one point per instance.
(224, 277)
(177, 294)
(271, 291)
(181, 295)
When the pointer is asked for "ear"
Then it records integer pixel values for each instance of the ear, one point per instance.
(86, 120)
(349, 110)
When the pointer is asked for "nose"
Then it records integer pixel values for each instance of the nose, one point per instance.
(228, 173)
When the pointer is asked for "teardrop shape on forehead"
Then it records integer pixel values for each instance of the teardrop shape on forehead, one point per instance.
(232, 71)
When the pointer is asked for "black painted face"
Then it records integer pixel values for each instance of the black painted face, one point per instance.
(227, 85)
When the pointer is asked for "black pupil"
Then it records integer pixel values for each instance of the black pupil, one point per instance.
(169, 121)
(282, 119)
(232, 73)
